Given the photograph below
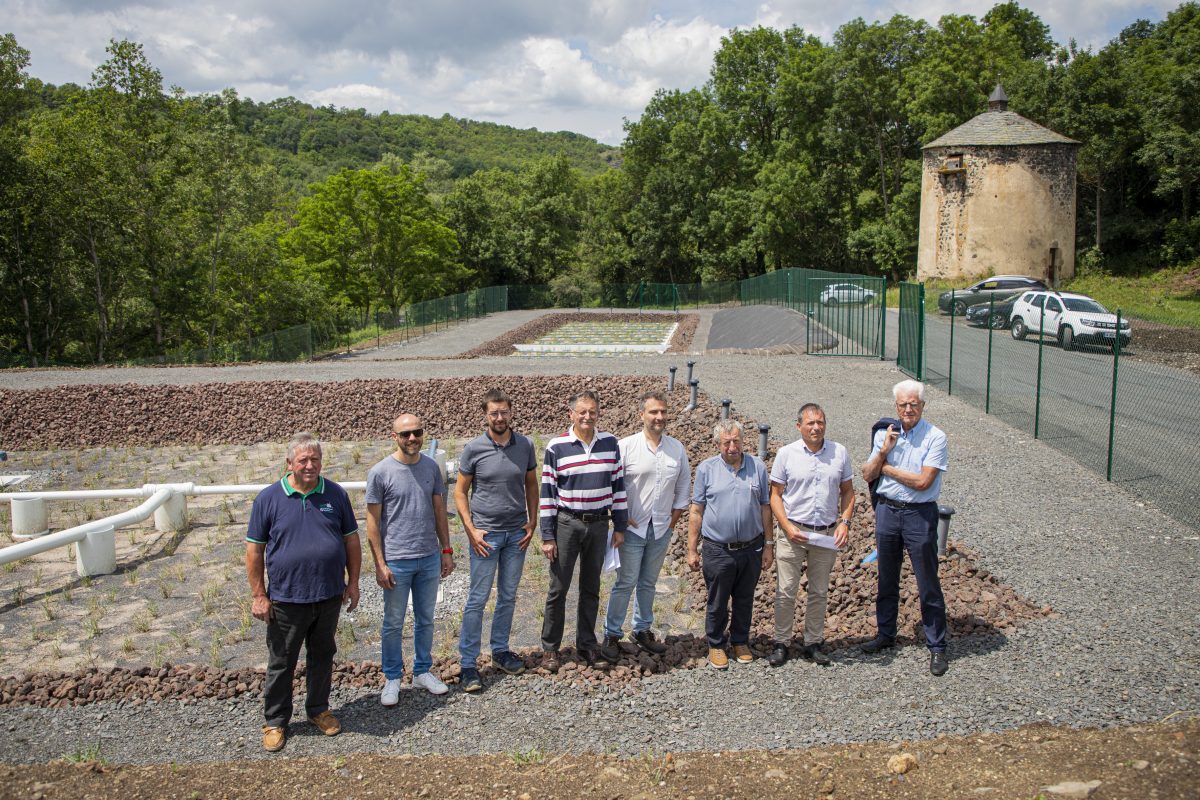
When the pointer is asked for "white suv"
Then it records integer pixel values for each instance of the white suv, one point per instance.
(1072, 319)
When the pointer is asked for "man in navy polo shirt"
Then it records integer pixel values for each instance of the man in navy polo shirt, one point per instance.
(302, 559)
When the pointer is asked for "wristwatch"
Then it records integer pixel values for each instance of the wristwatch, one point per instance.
(845, 520)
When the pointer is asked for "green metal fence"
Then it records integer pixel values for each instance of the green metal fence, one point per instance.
(843, 321)
(910, 341)
(1120, 413)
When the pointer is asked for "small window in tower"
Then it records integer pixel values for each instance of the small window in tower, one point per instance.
(951, 163)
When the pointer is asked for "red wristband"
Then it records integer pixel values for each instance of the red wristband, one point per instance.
(448, 551)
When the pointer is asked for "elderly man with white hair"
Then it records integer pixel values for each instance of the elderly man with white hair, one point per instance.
(909, 464)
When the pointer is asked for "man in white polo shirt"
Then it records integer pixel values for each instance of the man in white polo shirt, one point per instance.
(812, 498)
(657, 483)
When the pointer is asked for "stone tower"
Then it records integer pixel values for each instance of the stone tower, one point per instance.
(998, 198)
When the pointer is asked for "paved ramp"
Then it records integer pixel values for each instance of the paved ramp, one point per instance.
(763, 327)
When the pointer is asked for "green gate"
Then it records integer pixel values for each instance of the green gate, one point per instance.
(845, 315)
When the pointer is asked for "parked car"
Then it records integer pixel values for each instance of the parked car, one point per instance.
(836, 293)
(1072, 319)
(984, 290)
(993, 314)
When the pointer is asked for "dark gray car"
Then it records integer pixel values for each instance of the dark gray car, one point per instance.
(998, 286)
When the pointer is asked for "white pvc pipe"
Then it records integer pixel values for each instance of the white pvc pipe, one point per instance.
(32, 547)
(150, 488)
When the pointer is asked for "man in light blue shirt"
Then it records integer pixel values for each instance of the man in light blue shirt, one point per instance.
(909, 464)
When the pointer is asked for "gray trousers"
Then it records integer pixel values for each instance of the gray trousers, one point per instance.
(585, 543)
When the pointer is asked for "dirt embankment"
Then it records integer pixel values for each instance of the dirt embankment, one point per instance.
(1144, 761)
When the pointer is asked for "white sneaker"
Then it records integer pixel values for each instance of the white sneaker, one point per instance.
(430, 682)
(391, 692)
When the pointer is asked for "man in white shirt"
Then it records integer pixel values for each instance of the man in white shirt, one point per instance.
(657, 482)
(812, 497)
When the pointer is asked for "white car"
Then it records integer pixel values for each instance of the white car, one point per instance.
(1072, 319)
(836, 293)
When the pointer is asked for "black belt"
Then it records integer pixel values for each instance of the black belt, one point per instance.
(735, 545)
(585, 516)
(815, 528)
(900, 504)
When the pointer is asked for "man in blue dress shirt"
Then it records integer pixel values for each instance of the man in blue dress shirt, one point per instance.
(909, 464)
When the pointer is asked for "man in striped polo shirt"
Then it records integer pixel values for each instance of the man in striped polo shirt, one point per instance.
(582, 486)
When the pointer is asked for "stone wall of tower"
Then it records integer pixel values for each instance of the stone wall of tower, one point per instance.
(999, 209)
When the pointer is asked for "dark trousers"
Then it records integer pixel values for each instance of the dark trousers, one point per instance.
(729, 575)
(914, 530)
(585, 543)
(313, 625)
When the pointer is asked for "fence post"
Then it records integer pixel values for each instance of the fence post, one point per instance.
(883, 322)
(950, 367)
(987, 398)
(921, 332)
(1112, 407)
(1037, 403)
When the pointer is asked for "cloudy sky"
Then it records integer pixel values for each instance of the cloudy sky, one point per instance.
(581, 65)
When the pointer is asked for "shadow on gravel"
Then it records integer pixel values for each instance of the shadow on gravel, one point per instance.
(365, 715)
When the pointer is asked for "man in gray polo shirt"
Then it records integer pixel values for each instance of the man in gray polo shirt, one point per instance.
(731, 509)
(497, 499)
(812, 497)
(410, 543)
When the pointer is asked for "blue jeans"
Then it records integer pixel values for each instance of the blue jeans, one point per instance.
(641, 561)
(419, 576)
(508, 559)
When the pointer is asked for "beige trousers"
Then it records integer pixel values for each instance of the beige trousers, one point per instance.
(790, 560)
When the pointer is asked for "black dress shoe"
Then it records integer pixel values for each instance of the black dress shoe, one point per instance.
(877, 644)
(813, 653)
(779, 655)
(593, 658)
(938, 664)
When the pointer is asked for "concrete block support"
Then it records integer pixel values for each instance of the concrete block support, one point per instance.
(172, 515)
(97, 553)
(29, 518)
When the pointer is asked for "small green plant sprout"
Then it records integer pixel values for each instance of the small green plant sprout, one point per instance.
(521, 757)
(87, 755)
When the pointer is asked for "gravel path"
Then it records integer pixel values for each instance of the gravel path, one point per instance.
(1122, 577)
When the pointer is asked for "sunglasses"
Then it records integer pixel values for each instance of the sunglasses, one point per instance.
(416, 433)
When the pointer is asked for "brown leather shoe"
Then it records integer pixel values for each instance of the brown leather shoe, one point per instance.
(326, 723)
(742, 653)
(273, 738)
(717, 658)
(551, 660)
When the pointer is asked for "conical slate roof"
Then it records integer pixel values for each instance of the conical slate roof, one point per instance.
(998, 127)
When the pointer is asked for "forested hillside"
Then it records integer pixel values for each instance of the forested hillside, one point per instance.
(136, 220)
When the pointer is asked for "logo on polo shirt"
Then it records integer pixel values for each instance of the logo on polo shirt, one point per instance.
(326, 508)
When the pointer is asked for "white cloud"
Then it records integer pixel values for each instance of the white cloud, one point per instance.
(667, 52)
(547, 63)
(357, 95)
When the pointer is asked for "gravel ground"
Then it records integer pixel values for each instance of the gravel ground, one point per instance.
(1122, 649)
